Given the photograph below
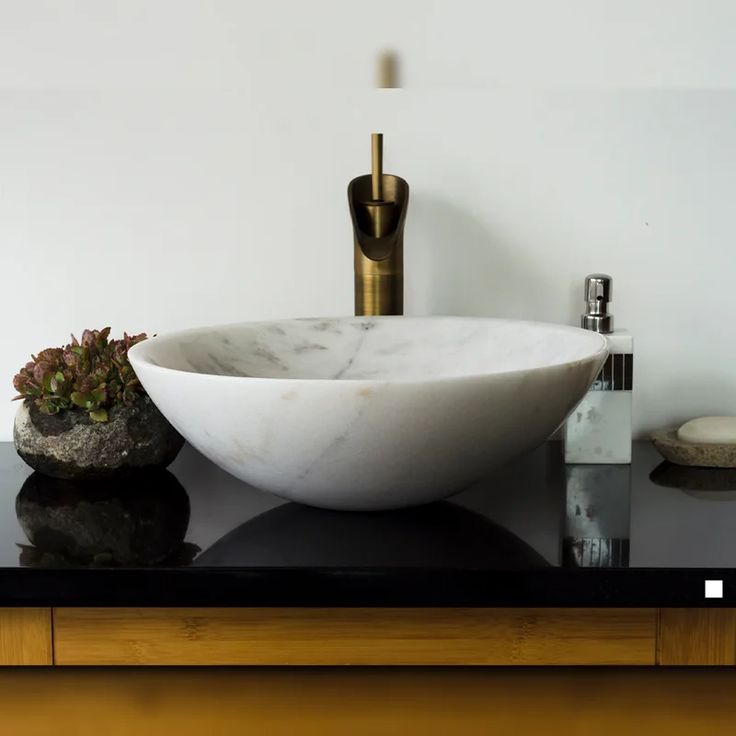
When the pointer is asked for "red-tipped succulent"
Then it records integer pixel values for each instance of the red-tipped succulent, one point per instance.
(92, 374)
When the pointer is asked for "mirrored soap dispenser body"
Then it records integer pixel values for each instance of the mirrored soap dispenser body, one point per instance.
(599, 429)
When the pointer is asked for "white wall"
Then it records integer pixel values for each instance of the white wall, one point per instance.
(172, 163)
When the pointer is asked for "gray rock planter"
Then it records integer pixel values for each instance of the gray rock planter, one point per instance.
(70, 445)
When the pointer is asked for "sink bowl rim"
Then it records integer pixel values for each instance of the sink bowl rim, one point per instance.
(139, 353)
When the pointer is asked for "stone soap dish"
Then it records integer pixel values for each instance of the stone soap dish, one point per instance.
(694, 454)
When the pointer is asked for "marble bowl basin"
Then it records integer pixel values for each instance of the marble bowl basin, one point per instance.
(367, 413)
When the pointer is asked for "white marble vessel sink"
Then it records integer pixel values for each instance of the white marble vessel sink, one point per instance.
(366, 413)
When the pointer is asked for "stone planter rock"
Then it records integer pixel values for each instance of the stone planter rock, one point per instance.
(70, 445)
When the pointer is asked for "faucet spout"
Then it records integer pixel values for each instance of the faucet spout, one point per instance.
(378, 204)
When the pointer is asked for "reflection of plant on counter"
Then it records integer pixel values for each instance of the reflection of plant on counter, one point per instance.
(85, 414)
(137, 520)
(92, 374)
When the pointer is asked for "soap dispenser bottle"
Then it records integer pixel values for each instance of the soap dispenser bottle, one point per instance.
(599, 429)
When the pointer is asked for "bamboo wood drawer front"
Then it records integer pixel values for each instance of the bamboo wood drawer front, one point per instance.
(697, 636)
(360, 636)
(25, 636)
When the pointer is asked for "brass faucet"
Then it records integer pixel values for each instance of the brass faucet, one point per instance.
(378, 205)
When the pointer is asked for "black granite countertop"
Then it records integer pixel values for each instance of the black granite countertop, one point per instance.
(536, 533)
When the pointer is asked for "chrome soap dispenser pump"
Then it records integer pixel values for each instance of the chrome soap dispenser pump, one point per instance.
(378, 205)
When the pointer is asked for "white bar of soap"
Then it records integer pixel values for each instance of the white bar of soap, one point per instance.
(709, 431)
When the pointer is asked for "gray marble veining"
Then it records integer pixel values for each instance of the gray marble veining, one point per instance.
(368, 413)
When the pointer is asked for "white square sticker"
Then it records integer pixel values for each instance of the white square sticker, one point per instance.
(714, 588)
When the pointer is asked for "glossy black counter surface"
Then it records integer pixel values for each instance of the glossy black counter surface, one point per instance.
(536, 533)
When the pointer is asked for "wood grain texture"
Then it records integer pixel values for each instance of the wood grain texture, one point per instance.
(353, 636)
(367, 701)
(25, 636)
(697, 636)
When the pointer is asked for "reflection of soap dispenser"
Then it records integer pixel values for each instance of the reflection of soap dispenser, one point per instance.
(597, 524)
(599, 430)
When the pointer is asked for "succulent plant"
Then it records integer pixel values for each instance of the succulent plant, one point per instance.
(92, 374)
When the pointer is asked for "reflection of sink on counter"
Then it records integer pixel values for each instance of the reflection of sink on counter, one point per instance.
(368, 413)
(437, 535)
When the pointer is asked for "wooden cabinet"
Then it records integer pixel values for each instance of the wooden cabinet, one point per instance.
(361, 701)
(367, 636)
(354, 636)
(25, 636)
(697, 636)
(423, 699)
